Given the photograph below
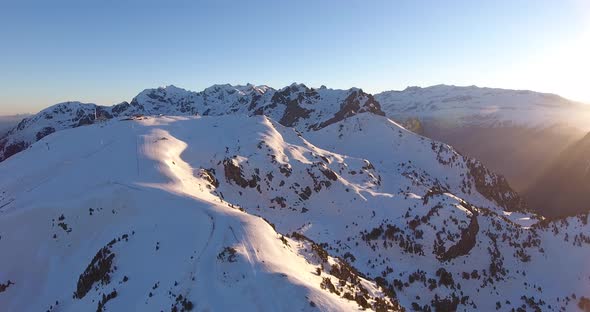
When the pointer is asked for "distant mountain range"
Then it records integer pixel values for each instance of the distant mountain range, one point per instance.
(474, 106)
(256, 199)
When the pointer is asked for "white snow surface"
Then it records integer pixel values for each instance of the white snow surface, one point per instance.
(131, 180)
(183, 197)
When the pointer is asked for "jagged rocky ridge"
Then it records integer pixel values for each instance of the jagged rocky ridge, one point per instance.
(294, 106)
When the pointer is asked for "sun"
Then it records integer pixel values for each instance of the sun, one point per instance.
(572, 68)
(561, 67)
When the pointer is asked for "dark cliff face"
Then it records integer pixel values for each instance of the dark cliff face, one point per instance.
(292, 98)
(356, 102)
(494, 187)
(564, 188)
(44, 132)
(11, 149)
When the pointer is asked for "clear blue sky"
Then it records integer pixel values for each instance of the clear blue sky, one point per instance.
(109, 50)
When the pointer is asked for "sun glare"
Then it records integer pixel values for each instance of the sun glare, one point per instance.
(560, 67)
(563, 70)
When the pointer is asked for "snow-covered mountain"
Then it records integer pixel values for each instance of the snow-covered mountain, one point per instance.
(523, 131)
(291, 199)
(294, 106)
(467, 106)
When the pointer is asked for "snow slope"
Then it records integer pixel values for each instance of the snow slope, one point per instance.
(360, 213)
(117, 220)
